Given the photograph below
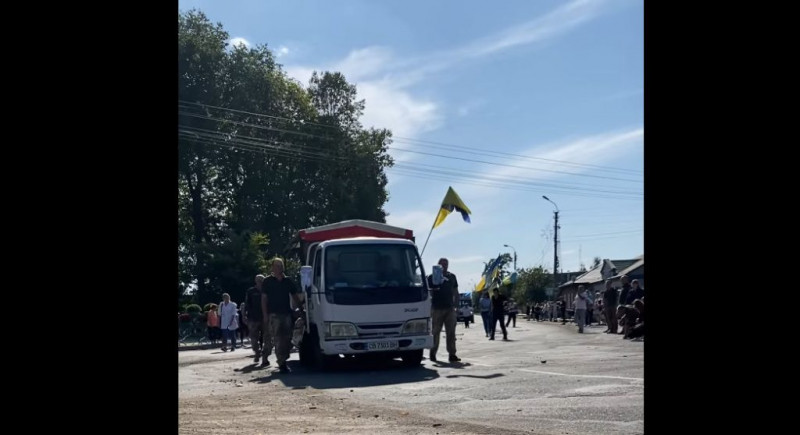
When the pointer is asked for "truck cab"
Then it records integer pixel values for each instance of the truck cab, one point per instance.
(365, 295)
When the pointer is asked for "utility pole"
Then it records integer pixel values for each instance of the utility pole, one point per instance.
(555, 243)
(555, 250)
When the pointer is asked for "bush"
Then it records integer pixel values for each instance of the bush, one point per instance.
(209, 306)
(193, 308)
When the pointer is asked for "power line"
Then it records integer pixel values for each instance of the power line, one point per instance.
(280, 152)
(602, 234)
(316, 152)
(478, 151)
(459, 148)
(523, 181)
(411, 151)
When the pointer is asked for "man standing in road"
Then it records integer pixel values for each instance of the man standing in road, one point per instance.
(444, 303)
(610, 305)
(275, 293)
(580, 307)
(626, 288)
(254, 316)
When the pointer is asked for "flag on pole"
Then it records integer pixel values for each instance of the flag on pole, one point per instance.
(489, 273)
(452, 202)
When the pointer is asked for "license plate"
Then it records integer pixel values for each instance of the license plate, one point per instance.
(382, 345)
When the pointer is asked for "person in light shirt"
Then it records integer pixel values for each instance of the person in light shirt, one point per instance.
(581, 300)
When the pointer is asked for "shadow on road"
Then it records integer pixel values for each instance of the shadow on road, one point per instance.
(348, 374)
(492, 376)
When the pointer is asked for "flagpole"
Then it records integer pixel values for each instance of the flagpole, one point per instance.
(429, 233)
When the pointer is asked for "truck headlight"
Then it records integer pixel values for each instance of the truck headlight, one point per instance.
(417, 326)
(340, 330)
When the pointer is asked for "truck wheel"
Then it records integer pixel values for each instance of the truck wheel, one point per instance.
(306, 351)
(322, 362)
(412, 358)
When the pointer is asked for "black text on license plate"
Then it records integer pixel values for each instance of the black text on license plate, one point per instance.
(382, 345)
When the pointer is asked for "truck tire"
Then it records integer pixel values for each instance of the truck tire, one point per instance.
(306, 351)
(412, 358)
(321, 361)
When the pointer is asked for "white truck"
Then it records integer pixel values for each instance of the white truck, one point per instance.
(365, 294)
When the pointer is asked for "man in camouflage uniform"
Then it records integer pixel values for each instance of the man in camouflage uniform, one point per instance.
(275, 293)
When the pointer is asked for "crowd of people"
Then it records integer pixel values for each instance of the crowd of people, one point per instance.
(612, 307)
(266, 315)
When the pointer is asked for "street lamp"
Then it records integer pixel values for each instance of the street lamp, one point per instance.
(515, 256)
(545, 197)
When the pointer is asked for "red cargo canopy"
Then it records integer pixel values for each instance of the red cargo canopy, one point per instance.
(354, 228)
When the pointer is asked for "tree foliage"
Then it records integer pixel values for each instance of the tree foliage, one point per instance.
(261, 157)
(531, 285)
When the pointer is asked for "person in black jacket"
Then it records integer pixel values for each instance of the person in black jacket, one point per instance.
(610, 304)
(498, 303)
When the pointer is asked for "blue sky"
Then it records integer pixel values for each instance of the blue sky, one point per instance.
(549, 92)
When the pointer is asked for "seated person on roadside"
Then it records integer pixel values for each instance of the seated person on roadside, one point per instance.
(638, 330)
(627, 316)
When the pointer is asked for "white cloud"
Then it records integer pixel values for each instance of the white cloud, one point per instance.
(388, 106)
(469, 107)
(551, 25)
(596, 149)
(282, 51)
(238, 40)
(300, 73)
(385, 80)
(365, 63)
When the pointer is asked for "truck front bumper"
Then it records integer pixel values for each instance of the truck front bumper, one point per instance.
(375, 345)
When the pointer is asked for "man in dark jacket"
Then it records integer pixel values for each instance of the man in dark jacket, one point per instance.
(498, 303)
(254, 316)
(444, 303)
(635, 293)
(626, 289)
(610, 305)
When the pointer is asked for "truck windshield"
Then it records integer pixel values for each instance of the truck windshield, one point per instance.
(373, 274)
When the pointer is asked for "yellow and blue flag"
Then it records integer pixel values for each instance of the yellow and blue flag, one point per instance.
(452, 202)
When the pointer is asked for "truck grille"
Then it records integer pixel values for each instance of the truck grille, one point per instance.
(379, 330)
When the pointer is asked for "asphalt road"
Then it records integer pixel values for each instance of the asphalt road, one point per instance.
(546, 379)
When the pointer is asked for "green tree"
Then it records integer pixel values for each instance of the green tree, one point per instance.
(261, 157)
(531, 285)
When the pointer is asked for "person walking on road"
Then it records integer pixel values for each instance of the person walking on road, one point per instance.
(498, 303)
(486, 313)
(275, 294)
(254, 316)
(228, 321)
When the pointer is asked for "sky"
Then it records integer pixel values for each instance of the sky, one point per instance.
(504, 101)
